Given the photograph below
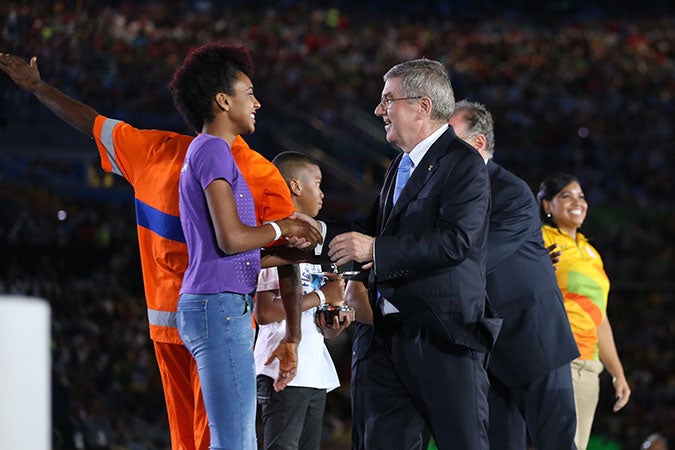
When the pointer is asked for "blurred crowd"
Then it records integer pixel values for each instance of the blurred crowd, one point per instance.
(586, 90)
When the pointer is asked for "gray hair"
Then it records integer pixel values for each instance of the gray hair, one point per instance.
(478, 121)
(425, 77)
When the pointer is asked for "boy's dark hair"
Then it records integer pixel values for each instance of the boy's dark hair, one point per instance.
(206, 71)
(548, 189)
(291, 163)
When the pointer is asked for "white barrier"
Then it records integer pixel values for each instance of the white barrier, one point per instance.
(25, 374)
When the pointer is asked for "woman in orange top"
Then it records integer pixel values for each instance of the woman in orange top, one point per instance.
(585, 287)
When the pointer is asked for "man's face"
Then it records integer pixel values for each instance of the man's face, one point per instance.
(401, 116)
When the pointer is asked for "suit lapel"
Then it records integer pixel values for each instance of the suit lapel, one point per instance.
(387, 193)
(424, 171)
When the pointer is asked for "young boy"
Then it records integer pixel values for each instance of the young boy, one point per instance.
(293, 418)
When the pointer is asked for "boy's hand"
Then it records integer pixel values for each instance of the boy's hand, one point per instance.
(335, 329)
(334, 289)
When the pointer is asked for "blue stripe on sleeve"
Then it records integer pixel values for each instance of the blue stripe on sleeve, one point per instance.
(161, 223)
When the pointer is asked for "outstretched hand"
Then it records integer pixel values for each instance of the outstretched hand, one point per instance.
(300, 232)
(287, 354)
(25, 75)
(352, 246)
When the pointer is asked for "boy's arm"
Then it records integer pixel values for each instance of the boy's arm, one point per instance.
(27, 77)
(269, 307)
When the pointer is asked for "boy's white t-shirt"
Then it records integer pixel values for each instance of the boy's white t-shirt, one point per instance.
(315, 366)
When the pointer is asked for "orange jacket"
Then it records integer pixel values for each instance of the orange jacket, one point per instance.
(150, 160)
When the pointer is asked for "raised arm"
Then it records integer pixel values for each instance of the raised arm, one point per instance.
(27, 77)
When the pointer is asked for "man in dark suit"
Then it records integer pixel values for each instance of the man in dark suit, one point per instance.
(356, 296)
(426, 242)
(531, 384)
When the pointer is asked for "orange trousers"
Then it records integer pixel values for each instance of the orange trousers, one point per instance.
(188, 423)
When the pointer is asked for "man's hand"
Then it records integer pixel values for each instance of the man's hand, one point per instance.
(554, 254)
(351, 246)
(26, 76)
(287, 353)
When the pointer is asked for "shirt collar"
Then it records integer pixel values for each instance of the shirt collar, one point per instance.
(421, 149)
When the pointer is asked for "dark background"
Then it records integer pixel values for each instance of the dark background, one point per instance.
(582, 87)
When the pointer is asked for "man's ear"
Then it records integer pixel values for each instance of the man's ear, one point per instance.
(294, 186)
(426, 106)
(222, 100)
(479, 142)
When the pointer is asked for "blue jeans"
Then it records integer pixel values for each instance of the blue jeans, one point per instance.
(217, 330)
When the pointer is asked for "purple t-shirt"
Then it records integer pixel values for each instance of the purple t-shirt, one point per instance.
(209, 269)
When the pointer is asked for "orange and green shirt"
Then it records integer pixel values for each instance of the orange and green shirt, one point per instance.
(150, 160)
(584, 286)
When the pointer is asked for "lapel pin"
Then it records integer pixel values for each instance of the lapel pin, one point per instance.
(431, 166)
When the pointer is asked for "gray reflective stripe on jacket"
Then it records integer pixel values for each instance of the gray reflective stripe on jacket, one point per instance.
(162, 318)
(107, 141)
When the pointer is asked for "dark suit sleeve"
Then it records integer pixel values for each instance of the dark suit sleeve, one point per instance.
(441, 226)
(514, 211)
(365, 225)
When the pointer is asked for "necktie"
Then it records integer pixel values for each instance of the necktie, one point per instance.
(404, 168)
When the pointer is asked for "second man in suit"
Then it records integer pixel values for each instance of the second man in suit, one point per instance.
(531, 383)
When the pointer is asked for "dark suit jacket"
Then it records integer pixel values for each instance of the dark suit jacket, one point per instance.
(430, 248)
(535, 337)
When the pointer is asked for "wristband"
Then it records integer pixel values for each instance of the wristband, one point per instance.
(322, 296)
(277, 230)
